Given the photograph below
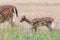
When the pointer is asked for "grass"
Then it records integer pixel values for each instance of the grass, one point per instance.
(20, 33)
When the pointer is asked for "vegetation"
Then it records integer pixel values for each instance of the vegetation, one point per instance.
(20, 33)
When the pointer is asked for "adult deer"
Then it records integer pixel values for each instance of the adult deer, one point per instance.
(44, 21)
(7, 13)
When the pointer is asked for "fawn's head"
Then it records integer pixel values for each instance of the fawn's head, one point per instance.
(23, 18)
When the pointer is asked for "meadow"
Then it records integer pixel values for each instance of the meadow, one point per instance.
(18, 32)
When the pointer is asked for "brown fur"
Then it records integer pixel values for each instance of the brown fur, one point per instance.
(6, 13)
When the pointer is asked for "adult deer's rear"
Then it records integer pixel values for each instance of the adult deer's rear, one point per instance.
(7, 13)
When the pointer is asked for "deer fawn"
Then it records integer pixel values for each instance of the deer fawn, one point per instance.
(44, 21)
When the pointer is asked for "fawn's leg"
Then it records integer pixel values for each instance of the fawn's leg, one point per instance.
(35, 27)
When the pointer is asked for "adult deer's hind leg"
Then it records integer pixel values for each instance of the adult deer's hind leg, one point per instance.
(11, 22)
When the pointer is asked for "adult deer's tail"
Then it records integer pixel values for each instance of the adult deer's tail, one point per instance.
(15, 11)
